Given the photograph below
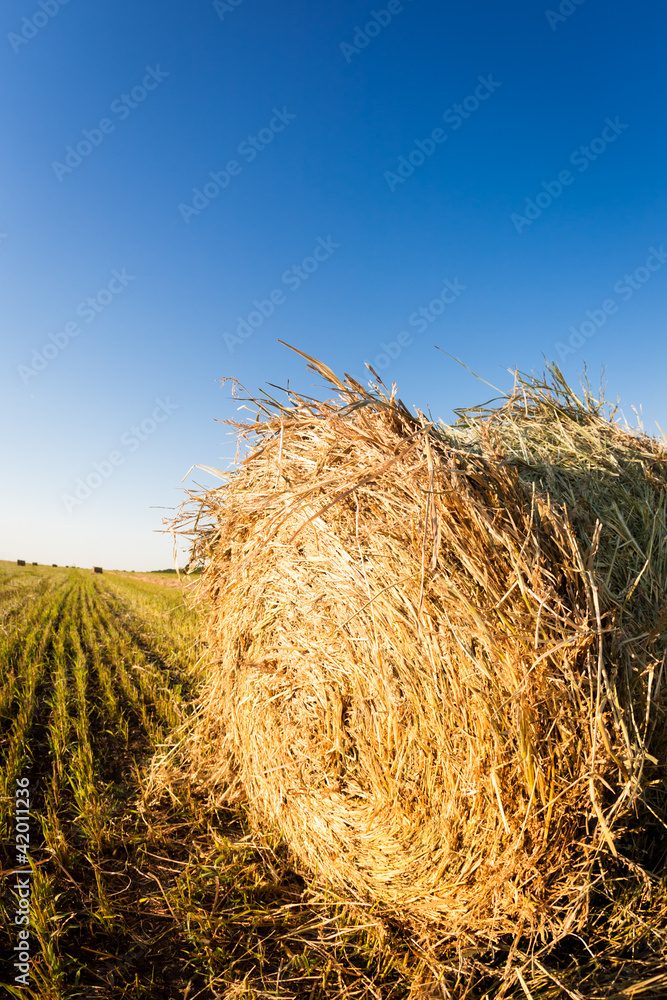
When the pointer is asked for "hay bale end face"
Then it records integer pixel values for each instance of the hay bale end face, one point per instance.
(437, 652)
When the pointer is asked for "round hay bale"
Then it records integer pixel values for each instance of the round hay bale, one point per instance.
(437, 652)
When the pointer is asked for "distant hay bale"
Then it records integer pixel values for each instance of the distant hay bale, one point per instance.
(20, 562)
(97, 569)
(437, 651)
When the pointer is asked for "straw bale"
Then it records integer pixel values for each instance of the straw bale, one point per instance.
(437, 651)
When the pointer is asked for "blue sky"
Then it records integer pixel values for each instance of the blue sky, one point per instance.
(390, 177)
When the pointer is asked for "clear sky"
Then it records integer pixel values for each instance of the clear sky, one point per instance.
(185, 184)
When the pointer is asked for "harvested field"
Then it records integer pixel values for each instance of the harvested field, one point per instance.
(179, 816)
(139, 887)
(95, 675)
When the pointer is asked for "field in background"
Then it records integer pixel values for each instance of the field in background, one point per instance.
(137, 889)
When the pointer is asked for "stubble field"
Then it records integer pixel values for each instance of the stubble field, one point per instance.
(138, 885)
(122, 877)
